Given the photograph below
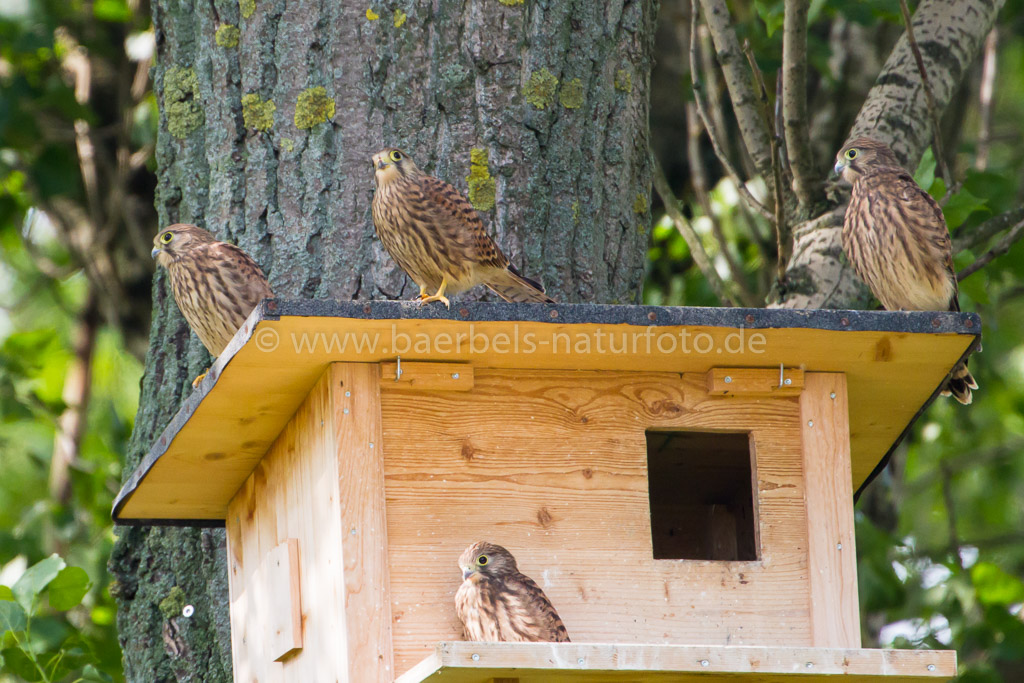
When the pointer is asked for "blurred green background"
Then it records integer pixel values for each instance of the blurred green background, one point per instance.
(940, 535)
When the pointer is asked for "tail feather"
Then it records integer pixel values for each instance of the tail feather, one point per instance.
(959, 384)
(511, 286)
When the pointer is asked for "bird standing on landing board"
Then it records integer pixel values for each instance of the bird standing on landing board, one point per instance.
(216, 285)
(497, 603)
(897, 240)
(435, 235)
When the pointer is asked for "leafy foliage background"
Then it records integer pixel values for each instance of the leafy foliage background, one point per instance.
(940, 535)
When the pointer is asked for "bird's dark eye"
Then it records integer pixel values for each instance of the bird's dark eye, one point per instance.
(166, 237)
(396, 155)
(482, 560)
(851, 154)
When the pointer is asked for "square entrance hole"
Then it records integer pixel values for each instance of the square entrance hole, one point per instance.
(701, 491)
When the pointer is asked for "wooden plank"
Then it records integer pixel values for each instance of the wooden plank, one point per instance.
(890, 375)
(355, 402)
(832, 557)
(780, 381)
(553, 465)
(464, 662)
(428, 376)
(281, 591)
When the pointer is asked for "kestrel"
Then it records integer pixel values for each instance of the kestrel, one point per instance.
(496, 602)
(897, 240)
(216, 285)
(435, 235)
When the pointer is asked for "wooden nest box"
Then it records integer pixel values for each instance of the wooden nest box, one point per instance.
(679, 481)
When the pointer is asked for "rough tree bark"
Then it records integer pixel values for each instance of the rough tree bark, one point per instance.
(950, 34)
(270, 111)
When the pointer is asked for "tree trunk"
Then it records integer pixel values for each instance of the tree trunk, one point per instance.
(950, 34)
(269, 114)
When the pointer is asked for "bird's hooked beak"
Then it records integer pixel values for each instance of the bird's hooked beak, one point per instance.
(468, 572)
(381, 164)
(156, 250)
(839, 167)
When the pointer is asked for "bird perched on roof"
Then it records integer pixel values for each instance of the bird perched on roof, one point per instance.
(435, 235)
(496, 602)
(216, 285)
(897, 240)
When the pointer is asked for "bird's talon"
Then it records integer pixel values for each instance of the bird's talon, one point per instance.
(197, 380)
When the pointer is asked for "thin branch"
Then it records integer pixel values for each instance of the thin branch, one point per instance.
(988, 79)
(983, 233)
(782, 233)
(794, 101)
(1002, 246)
(737, 81)
(716, 144)
(933, 111)
(947, 497)
(699, 182)
(700, 257)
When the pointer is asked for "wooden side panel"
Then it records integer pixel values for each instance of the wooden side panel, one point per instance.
(835, 615)
(280, 585)
(293, 493)
(356, 404)
(553, 465)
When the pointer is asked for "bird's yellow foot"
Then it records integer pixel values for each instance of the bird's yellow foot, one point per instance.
(197, 380)
(436, 297)
(422, 295)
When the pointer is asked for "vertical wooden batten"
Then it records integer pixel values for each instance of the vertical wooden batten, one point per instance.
(832, 557)
(355, 399)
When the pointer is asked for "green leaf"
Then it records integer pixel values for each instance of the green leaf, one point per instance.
(6, 593)
(925, 173)
(994, 586)
(68, 588)
(35, 579)
(771, 14)
(19, 664)
(112, 10)
(961, 205)
(12, 617)
(91, 673)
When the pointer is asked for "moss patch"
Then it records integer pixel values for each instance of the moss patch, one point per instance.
(256, 113)
(481, 184)
(640, 204)
(247, 8)
(172, 605)
(540, 89)
(571, 96)
(181, 101)
(624, 80)
(576, 213)
(511, 3)
(287, 144)
(227, 36)
(313, 107)
(371, 15)
(398, 18)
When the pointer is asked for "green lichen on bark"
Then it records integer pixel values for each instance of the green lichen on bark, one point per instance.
(246, 8)
(181, 101)
(576, 213)
(256, 113)
(640, 204)
(287, 144)
(313, 107)
(511, 3)
(571, 96)
(371, 15)
(540, 89)
(227, 36)
(398, 18)
(172, 605)
(624, 80)
(481, 183)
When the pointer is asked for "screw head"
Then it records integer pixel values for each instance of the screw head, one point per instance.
(455, 375)
(188, 611)
(839, 546)
(371, 444)
(475, 657)
(931, 667)
(810, 423)
(704, 662)
(348, 393)
(580, 661)
(832, 395)
(728, 379)
(353, 531)
(788, 381)
(810, 665)
(345, 411)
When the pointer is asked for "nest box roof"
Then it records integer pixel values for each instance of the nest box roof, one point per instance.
(894, 363)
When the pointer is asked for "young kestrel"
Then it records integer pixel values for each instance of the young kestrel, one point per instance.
(496, 602)
(435, 235)
(216, 285)
(897, 240)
